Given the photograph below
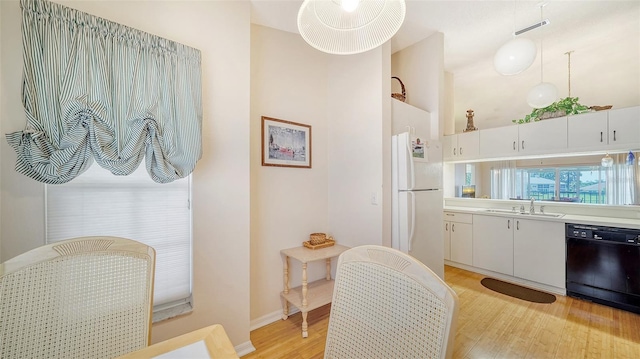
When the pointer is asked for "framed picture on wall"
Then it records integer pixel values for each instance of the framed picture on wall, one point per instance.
(285, 143)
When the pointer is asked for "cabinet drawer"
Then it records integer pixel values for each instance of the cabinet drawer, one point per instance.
(458, 217)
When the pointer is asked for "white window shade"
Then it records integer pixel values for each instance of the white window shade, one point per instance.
(98, 203)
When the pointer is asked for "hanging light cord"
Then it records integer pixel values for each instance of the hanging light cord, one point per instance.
(568, 53)
(541, 47)
(514, 18)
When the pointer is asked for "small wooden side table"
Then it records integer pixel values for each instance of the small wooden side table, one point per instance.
(308, 296)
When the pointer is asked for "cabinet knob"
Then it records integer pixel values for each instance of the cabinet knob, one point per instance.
(454, 151)
(508, 224)
(614, 135)
(460, 151)
(453, 227)
(514, 145)
(600, 136)
(523, 144)
(518, 225)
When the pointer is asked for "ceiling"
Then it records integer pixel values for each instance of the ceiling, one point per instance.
(603, 35)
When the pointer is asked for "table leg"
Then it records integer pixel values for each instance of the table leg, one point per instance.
(328, 268)
(304, 288)
(305, 326)
(285, 305)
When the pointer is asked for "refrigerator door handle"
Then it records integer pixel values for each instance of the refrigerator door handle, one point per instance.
(411, 169)
(412, 217)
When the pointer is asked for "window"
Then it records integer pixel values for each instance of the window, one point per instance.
(98, 203)
(469, 174)
(584, 184)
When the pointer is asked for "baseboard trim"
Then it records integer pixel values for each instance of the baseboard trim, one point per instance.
(244, 348)
(270, 318)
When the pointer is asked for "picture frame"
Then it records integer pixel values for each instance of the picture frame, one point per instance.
(285, 143)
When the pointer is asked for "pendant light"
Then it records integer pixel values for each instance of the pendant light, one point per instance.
(517, 54)
(606, 161)
(544, 93)
(345, 27)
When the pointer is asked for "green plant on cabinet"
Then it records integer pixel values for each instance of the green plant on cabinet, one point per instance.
(566, 106)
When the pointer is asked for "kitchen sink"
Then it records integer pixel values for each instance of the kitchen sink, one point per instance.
(492, 210)
(537, 214)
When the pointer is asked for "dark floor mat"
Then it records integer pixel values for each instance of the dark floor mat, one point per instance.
(517, 291)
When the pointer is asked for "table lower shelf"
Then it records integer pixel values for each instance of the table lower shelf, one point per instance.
(319, 293)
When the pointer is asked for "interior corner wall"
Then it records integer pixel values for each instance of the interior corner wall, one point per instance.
(288, 82)
(421, 68)
(22, 206)
(386, 143)
(356, 118)
(1, 116)
(221, 208)
(449, 94)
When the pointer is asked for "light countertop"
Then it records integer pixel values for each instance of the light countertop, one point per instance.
(567, 218)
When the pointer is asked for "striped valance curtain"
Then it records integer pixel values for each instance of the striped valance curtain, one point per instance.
(98, 90)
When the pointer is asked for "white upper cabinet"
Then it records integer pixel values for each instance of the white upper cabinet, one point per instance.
(624, 128)
(499, 142)
(462, 146)
(605, 130)
(612, 130)
(588, 131)
(543, 137)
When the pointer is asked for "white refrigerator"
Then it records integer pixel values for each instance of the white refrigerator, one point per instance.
(417, 199)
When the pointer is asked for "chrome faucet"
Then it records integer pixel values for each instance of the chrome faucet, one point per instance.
(532, 209)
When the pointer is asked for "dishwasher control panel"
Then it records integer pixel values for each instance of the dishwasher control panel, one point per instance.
(611, 234)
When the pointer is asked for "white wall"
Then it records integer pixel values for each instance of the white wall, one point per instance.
(1, 113)
(238, 204)
(359, 115)
(288, 82)
(421, 68)
(346, 101)
(221, 30)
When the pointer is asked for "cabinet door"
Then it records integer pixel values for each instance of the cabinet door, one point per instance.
(447, 240)
(539, 252)
(499, 142)
(546, 136)
(449, 147)
(493, 243)
(587, 131)
(468, 145)
(624, 127)
(462, 243)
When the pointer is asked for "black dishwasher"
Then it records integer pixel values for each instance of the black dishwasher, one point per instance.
(603, 265)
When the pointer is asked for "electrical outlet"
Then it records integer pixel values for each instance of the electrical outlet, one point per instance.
(374, 198)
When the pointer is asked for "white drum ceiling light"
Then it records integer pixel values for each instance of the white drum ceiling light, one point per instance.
(346, 27)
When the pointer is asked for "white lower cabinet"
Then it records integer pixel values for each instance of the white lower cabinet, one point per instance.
(493, 243)
(539, 252)
(458, 237)
(524, 248)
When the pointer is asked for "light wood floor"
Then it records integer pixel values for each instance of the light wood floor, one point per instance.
(490, 325)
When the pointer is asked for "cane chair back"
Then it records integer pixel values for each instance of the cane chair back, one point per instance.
(88, 297)
(387, 304)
